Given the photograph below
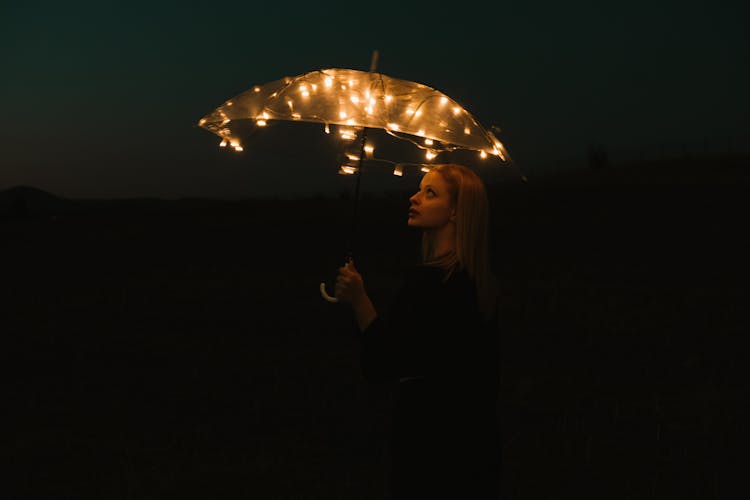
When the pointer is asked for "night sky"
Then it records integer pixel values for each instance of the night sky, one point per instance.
(101, 99)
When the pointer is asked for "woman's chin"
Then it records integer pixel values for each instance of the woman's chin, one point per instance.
(414, 223)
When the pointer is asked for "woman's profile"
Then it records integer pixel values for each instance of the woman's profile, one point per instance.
(438, 347)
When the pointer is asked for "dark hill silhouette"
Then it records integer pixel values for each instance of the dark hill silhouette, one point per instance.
(21, 202)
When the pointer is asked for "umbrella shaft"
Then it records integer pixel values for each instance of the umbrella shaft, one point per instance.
(353, 228)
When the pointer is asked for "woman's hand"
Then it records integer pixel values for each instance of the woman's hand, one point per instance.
(349, 285)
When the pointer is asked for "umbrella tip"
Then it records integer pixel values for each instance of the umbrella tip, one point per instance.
(374, 60)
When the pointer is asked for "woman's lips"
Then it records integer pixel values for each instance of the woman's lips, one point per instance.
(413, 212)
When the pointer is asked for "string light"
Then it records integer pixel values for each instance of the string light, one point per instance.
(347, 170)
(425, 169)
(352, 117)
(239, 149)
(352, 157)
(398, 170)
(347, 134)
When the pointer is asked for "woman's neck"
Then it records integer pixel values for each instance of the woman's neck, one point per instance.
(444, 240)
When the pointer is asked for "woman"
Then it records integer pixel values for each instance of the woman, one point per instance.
(439, 346)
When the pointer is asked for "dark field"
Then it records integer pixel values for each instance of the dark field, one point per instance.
(180, 349)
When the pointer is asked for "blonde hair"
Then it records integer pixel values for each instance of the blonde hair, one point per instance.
(472, 235)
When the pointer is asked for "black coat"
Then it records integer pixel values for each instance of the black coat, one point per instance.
(442, 361)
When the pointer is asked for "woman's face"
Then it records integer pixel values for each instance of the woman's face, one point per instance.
(431, 206)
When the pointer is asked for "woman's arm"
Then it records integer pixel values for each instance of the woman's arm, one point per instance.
(364, 312)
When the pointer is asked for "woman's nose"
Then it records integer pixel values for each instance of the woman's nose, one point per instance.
(413, 199)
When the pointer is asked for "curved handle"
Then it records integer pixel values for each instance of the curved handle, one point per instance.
(325, 295)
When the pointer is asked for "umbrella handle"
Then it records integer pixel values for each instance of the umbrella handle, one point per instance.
(325, 295)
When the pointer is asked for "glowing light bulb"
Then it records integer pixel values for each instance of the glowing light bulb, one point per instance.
(420, 132)
(456, 110)
(239, 149)
(352, 82)
(429, 142)
(296, 116)
(234, 143)
(425, 169)
(495, 152)
(226, 120)
(369, 150)
(443, 100)
(289, 103)
(315, 87)
(347, 170)
(367, 95)
(265, 115)
(393, 126)
(328, 81)
(398, 170)
(223, 143)
(305, 93)
(203, 120)
(388, 98)
(261, 123)
(467, 130)
(347, 134)
(229, 103)
(256, 89)
(430, 155)
(483, 154)
(369, 110)
(352, 157)
(342, 114)
(355, 99)
(418, 113)
(350, 121)
(327, 129)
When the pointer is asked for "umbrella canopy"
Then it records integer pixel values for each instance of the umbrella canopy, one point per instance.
(353, 100)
